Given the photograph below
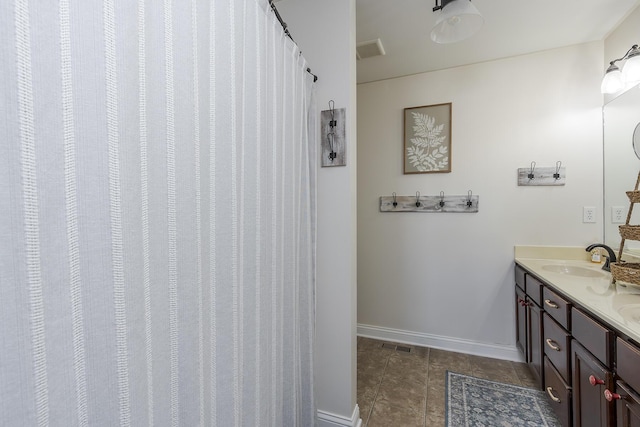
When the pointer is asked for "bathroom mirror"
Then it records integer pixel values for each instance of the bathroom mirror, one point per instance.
(621, 165)
(636, 140)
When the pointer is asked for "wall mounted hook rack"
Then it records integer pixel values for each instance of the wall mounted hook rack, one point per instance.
(441, 203)
(333, 131)
(546, 176)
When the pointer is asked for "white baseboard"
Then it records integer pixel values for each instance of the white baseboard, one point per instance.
(326, 419)
(496, 351)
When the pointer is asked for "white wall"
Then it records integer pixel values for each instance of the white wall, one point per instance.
(325, 32)
(447, 279)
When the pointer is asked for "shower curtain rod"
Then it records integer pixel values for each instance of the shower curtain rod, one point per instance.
(286, 31)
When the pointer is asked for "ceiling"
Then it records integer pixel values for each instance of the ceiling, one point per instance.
(511, 27)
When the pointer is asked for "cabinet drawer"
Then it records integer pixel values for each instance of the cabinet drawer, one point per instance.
(627, 363)
(557, 307)
(557, 346)
(558, 393)
(592, 335)
(534, 289)
(520, 276)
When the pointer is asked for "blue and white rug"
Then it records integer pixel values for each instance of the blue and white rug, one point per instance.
(476, 402)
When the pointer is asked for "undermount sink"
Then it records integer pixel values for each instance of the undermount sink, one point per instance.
(630, 312)
(626, 303)
(573, 270)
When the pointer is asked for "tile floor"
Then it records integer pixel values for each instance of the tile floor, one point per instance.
(399, 388)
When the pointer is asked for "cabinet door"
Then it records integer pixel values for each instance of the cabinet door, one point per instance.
(590, 380)
(627, 406)
(521, 323)
(536, 351)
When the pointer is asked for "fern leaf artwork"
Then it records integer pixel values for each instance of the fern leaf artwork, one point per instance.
(427, 139)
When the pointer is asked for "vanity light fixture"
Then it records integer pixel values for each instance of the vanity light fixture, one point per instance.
(615, 80)
(458, 20)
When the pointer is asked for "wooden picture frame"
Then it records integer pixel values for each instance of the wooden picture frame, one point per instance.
(427, 139)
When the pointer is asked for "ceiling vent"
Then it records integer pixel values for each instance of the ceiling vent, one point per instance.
(369, 48)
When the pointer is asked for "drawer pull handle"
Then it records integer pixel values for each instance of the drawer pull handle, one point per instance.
(552, 396)
(551, 303)
(611, 396)
(552, 344)
(595, 381)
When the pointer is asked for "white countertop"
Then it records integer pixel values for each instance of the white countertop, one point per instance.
(615, 304)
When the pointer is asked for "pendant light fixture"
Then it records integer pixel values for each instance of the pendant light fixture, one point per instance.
(615, 80)
(458, 20)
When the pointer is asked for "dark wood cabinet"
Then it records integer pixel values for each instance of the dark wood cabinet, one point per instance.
(590, 380)
(521, 322)
(588, 367)
(627, 406)
(536, 352)
(529, 322)
(573, 369)
(628, 373)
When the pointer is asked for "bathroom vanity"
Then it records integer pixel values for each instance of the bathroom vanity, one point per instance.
(580, 335)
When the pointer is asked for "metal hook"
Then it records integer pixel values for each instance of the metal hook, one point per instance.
(332, 122)
(394, 199)
(533, 166)
(441, 199)
(332, 154)
(557, 174)
(418, 204)
(469, 202)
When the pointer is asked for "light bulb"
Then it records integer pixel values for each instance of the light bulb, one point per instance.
(631, 69)
(612, 80)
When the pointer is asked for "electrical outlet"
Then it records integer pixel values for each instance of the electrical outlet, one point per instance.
(588, 214)
(617, 215)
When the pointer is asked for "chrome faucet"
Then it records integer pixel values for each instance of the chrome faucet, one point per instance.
(608, 259)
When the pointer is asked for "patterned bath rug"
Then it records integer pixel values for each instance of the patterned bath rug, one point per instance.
(475, 402)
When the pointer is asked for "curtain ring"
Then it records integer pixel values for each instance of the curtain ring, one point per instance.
(418, 204)
(395, 203)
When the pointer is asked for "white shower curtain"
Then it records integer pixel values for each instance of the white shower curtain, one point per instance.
(157, 206)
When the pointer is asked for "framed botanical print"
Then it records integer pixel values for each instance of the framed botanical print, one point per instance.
(427, 139)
